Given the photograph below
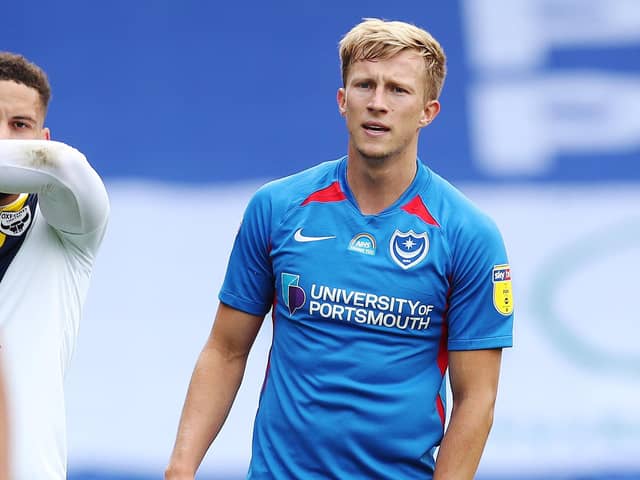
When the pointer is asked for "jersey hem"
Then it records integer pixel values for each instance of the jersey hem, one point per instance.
(241, 304)
(505, 341)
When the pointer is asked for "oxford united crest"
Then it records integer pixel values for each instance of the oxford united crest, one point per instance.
(15, 224)
(408, 248)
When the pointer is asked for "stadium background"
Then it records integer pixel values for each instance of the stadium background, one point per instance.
(186, 107)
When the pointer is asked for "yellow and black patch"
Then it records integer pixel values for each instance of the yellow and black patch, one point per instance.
(502, 294)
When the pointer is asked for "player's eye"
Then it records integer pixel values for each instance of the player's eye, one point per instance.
(20, 125)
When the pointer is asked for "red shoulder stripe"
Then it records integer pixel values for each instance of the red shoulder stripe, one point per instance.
(417, 207)
(333, 193)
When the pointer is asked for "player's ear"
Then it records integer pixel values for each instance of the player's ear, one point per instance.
(46, 134)
(430, 111)
(341, 97)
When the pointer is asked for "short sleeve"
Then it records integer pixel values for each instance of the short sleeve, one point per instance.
(248, 285)
(480, 314)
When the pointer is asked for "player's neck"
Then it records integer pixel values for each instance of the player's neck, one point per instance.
(377, 184)
(8, 198)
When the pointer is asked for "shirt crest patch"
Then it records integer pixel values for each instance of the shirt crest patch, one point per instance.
(408, 248)
(15, 224)
(15, 221)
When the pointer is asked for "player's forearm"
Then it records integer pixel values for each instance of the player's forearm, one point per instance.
(72, 195)
(214, 384)
(465, 438)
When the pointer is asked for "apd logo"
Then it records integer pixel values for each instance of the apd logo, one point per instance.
(408, 248)
(15, 224)
(293, 295)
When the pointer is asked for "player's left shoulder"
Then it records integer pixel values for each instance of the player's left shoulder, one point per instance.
(454, 207)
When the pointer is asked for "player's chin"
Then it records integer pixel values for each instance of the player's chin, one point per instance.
(374, 153)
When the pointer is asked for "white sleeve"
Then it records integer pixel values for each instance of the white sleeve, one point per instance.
(71, 195)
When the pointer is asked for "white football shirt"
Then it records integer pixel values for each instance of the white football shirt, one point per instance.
(42, 293)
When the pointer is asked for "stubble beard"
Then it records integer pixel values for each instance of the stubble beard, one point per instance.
(374, 161)
(379, 158)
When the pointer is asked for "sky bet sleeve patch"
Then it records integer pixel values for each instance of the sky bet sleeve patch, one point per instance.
(502, 296)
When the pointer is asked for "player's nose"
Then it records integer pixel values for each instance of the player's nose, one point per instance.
(377, 101)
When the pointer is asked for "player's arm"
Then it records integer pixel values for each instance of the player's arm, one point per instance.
(72, 196)
(474, 385)
(214, 384)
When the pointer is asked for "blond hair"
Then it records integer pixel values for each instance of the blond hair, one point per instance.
(374, 38)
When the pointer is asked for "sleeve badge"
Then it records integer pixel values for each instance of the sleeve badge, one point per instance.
(502, 294)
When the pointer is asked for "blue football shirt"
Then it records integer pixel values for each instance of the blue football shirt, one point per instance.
(365, 309)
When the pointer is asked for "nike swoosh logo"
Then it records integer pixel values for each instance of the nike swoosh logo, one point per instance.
(299, 237)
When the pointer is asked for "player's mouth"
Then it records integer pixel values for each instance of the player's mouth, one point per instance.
(375, 128)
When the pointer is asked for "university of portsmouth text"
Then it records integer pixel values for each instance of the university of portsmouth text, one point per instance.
(368, 308)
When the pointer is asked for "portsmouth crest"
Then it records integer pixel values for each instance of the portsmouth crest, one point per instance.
(502, 296)
(408, 248)
(15, 224)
